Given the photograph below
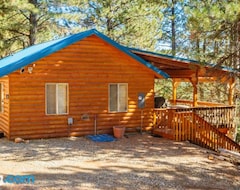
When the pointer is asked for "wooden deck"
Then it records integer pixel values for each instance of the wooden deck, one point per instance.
(209, 127)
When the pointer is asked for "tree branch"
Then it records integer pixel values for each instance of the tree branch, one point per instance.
(18, 32)
(21, 11)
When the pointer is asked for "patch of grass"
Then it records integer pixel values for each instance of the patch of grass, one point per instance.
(238, 134)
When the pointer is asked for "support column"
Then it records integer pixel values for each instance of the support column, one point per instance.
(175, 84)
(195, 93)
(231, 91)
(194, 81)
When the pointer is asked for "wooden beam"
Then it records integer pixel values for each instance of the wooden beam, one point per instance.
(207, 79)
(182, 79)
(180, 73)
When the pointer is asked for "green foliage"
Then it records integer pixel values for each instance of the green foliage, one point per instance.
(185, 91)
(9, 20)
(213, 92)
(28, 22)
(174, 28)
(129, 22)
(209, 92)
(214, 27)
(237, 119)
(163, 88)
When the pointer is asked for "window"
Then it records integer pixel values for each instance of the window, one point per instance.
(1, 98)
(57, 98)
(118, 97)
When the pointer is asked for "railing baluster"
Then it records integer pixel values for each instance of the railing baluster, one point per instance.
(199, 125)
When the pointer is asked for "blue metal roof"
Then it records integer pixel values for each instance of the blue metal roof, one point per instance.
(36, 52)
(211, 65)
(165, 56)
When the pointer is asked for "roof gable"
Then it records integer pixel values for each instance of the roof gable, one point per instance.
(36, 52)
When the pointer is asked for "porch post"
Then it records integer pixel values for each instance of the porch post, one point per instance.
(174, 92)
(195, 94)
(194, 81)
(231, 90)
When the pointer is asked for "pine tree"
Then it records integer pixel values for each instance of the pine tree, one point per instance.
(215, 31)
(133, 23)
(28, 22)
(8, 24)
(174, 29)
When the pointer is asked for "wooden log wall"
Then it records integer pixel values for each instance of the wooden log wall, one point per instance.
(88, 67)
(4, 115)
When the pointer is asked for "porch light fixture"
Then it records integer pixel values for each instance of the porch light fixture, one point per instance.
(30, 69)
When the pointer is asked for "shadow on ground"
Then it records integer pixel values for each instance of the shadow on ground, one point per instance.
(137, 162)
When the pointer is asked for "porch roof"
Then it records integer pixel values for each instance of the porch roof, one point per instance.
(181, 68)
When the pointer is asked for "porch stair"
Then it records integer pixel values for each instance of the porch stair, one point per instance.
(165, 133)
(208, 136)
(192, 127)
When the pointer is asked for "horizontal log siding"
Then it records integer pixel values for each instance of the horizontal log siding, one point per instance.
(4, 116)
(88, 67)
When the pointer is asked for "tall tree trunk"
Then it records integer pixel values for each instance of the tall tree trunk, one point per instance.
(198, 48)
(238, 43)
(173, 28)
(33, 25)
(33, 29)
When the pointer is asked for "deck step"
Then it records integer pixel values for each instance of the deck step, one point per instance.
(165, 133)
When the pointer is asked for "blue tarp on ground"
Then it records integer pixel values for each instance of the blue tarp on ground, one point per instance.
(101, 138)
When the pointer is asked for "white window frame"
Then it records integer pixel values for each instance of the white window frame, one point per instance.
(118, 99)
(2, 98)
(56, 96)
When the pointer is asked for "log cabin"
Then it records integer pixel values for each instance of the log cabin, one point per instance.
(87, 83)
(82, 84)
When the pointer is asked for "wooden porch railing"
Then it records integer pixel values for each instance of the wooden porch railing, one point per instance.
(200, 103)
(198, 125)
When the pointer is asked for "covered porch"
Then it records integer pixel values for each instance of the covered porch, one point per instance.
(210, 125)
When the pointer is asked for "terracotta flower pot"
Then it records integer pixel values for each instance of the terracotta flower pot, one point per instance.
(118, 131)
(223, 130)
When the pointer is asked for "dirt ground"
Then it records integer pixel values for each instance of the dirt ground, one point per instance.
(137, 162)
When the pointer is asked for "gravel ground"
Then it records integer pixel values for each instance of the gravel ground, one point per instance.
(133, 163)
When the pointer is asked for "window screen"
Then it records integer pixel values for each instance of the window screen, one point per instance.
(57, 98)
(118, 97)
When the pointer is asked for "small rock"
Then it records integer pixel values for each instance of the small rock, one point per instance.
(18, 140)
(210, 157)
